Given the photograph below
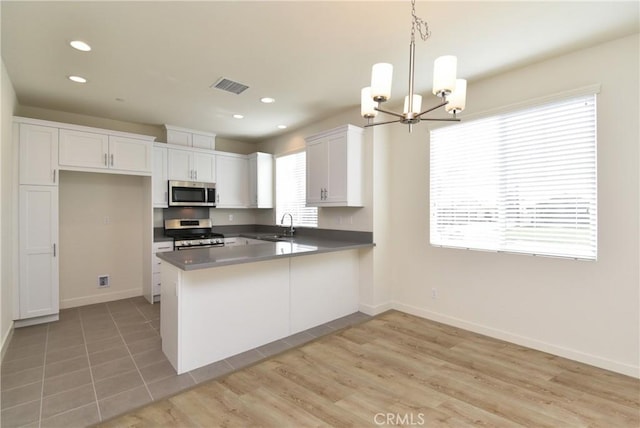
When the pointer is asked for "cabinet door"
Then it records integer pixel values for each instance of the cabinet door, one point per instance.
(180, 138)
(204, 166)
(203, 141)
(159, 178)
(336, 170)
(180, 164)
(260, 180)
(129, 154)
(232, 185)
(38, 240)
(38, 155)
(83, 149)
(317, 168)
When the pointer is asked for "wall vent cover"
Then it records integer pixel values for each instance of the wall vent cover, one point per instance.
(229, 86)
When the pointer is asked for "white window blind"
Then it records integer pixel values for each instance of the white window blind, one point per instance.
(291, 190)
(523, 181)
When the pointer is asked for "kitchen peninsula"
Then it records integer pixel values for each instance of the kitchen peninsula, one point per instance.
(221, 301)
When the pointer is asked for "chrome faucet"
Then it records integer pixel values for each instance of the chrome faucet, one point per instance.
(291, 229)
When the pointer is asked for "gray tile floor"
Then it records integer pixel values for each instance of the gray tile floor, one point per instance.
(102, 360)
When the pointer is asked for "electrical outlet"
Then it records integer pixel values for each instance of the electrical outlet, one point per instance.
(103, 281)
(230, 217)
(107, 220)
(434, 293)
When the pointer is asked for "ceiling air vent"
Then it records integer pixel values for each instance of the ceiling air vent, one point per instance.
(229, 86)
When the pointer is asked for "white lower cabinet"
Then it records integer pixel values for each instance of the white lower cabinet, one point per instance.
(38, 252)
(211, 314)
(156, 279)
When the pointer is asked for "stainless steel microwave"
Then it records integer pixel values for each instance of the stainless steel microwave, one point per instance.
(191, 194)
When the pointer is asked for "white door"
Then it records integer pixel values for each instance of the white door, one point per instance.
(317, 167)
(83, 149)
(129, 154)
(232, 186)
(159, 178)
(205, 167)
(38, 243)
(337, 170)
(38, 155)
(179, 164)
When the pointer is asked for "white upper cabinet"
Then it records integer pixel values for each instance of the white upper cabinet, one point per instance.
(38, 154)
(89, 151)
(190, 138)
(334, 168)
(84, 149)
(232, 185)
(129, 154)
(191, 165)
(260, 180)
(205, 167)
(160, 177)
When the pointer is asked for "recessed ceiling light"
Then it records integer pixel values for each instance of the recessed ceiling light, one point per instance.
(267, 100)
(282, 126)
(238, 116)
(77, 79)
(80, 45)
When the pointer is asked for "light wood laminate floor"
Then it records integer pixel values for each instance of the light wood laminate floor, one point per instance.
(398, 369)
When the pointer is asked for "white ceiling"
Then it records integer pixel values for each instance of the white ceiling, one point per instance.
(160, 58)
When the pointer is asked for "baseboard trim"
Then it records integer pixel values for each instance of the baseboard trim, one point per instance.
(101, 298)
(374, 310)
(572, 354)
(36, 320)
(6, 340)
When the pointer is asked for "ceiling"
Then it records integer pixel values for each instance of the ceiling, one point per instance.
(153, 62)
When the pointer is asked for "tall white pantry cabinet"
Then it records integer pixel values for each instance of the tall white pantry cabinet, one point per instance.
(38, 222)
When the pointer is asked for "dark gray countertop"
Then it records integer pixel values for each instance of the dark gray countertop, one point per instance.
(205, 258)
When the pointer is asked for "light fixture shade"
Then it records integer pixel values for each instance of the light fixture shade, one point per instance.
(444, 75)
(458, 98)
(417, 104)
(367, 105)
(381, 76)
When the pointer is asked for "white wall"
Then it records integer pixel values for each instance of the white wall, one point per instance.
(588, 311)
(91, 246)
(8, 104)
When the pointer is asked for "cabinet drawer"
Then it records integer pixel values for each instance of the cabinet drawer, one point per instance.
(161, 247)
(155, 265)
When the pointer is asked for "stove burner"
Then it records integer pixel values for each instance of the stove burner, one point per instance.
(188, 233)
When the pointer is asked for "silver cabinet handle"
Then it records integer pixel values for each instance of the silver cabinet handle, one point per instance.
(105, 160)
(196, 174)
(54, 250)
(111, 160)
(218, 197)
(54, 175)
(166, 196)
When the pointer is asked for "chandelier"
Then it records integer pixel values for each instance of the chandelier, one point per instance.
(452, 91)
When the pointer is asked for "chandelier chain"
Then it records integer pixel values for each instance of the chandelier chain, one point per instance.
(423, 26)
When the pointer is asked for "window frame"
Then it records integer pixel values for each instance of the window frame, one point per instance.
(277, 213)
(498, 245)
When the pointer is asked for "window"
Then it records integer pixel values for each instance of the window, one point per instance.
(523, 181)
(291, 190)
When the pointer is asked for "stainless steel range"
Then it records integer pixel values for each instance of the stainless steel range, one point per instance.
(192, 233)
